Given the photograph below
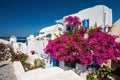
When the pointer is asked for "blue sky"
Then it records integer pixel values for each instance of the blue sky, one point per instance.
(25, 17)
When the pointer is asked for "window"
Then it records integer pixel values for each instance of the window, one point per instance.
(85, 22)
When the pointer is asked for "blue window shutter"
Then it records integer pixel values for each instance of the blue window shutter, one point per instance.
(50, 36)
(85, 23)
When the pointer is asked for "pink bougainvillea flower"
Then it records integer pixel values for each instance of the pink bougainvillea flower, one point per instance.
(98, 47)
(72, 21)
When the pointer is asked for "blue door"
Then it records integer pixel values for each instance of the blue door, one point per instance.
(53, 62)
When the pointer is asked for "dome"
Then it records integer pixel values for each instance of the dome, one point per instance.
(13, 36)
(13, 39)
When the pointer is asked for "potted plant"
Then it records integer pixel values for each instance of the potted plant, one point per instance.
(22, 58)
(32, 52)
(39, 63)
(91, 76)
(103, 72)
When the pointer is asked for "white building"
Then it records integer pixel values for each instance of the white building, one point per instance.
(55, 29)
(100, 14)
(39, 42)
(13, 39)
(4, 41)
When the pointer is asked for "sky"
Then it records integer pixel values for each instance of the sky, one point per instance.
(24, 17)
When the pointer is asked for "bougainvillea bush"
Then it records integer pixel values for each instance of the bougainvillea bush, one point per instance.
(84, 46)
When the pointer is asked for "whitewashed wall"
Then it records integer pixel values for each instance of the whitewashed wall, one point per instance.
(100, 14)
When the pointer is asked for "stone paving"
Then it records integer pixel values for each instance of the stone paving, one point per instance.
(6, 71)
